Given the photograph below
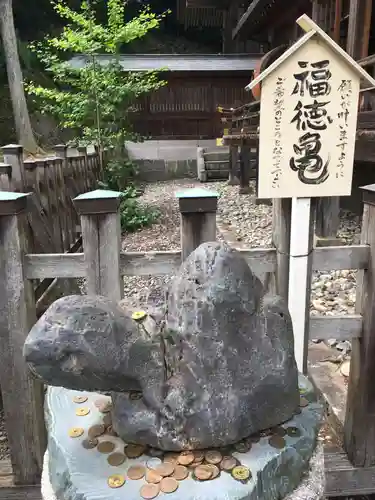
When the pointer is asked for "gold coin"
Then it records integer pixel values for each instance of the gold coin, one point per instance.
(76, 432)
(96, 431)
(134, 450)
(136, 472)
(180, 472)
(165, 469)
(149, 491)
(242, 446)
(279, 431)
(168, 485)
(139, 315)
(80, 399)
(186, 458)
(105, 447)
(303, 402)
(213, 457)
(82, 412)
(293, 431)
(116, 481)
(277, 442)
(228, 463)
(170, 458)
(153, 477)
(241, 473)
(215, 471)
(116, 459)
(203, 472)
(90, 443)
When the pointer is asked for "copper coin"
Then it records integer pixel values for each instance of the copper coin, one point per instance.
(105, 447)
(168, 485)
(82, 412)
(242, 446)
(136, 472)
(196, 463)
(203, 472)
(134, 450)
(180, 472)
(277, 442)
(153, 462)
(303, 402)
(90, 443)
(170, 458)
(279, 431)
(165, 469)
(186, 458)
(76, 432)
(155, 452)
(213, 457)
(293, 431)
(80, 399)
(149, 491)
(198, 455)
(116, 459)
(95, 431)
(153, 477)
(215, 471)
(116, 481)
(228, 463)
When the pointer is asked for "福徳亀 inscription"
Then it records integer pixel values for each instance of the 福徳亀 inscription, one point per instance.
(311, 119)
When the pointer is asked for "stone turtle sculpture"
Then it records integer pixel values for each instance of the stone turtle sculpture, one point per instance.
(219, 367)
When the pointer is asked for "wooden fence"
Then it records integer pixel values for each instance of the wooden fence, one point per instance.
(103, 264)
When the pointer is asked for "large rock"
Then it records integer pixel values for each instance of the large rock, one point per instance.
(219, 368)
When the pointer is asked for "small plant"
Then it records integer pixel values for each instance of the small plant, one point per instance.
(134, 215)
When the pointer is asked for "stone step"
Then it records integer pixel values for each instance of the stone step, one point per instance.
(216, 156)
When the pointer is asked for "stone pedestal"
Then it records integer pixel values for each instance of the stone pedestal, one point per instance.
(79, 474)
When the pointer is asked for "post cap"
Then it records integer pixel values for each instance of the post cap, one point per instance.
(368, 194)
(12, 203)
(197, 200)
(12, 149)
(60, 147)
(100, 201)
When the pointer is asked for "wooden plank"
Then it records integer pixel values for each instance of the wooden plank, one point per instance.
(336, 327)
(359, 28)
(255, 5)
(282, 210)
(111, 284)
(360, 423)
(341, 257)
(90, 236)
(342, 479)
(41, 266)
(21, 493)
(327, 217)
(22, 396)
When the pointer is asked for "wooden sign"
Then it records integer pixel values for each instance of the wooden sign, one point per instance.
(308, 119)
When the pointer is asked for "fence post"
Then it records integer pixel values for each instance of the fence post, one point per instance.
(198, 218)
(233, 166)
(359, 428)
(101, 234)
(61, 151)
(282, 214)
(22, 396)
(245, 155)
(201, 166)
(13, 156)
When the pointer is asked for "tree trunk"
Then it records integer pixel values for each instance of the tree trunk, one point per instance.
(25, 135)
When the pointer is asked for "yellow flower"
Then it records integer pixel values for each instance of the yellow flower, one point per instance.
(139, 315)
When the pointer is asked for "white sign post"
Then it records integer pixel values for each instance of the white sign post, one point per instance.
(308, 120)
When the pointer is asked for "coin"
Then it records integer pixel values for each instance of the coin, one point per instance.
(139, 315)
(105, 447)
(95, 431)
(303, 402)
(277, 442)
(149, 491)
(198, 455)
(116, 481)
(136, 472)
(76, 432)
(180, 472)
(155, 452)
(82, 412)
(215, 471)
(153, 463)
(107, 419)
(242, 446)
(116, 459)
(134, 450)
(213, 457)
(165, 469)
(80, 399)
(241, 473)
(153, 477)
(293, 431)
(228, 463)
(90, 443)
(279, 431)
(168, 485)
(171, 458)
(186, 458)
(203, 472)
